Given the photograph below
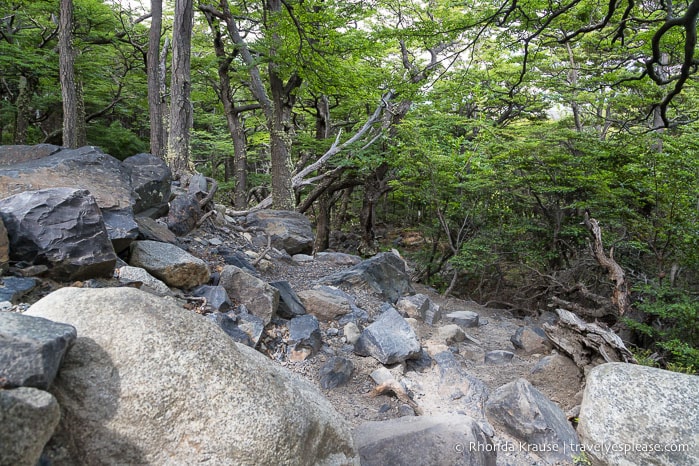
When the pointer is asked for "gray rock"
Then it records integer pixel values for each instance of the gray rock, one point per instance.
(13, 288)
(151, 230)
(415, 306)
(325, 303)
(170, 388)
(14, 154)
(31, 350)
(228, 322)
(450, 334)
(337, 371)
(258, 296)
(389, 339)
(289, 303)
(559, 378)
(169, 263)
(305, 338)
(4, 248)
(495, 357)
(85, 168)
(424, 440)
(465, 319)
(634, 414)
(525, 413)
(351, 333)
(338, 258)
(384, 273)
(252, 325)
(531, 340)
(236, 258)
(421, 363)
(150, 179)
(215, 296)
(128, 275)
(288, 230)
(433, 314)
(28, 418)
(457, 384)
(61, 228)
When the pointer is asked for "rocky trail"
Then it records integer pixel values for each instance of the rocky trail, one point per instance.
(122, 343)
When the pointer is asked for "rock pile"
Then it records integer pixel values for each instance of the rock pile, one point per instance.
(170, 350)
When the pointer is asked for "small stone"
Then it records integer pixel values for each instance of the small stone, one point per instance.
(351, 333)
(216, 297)
(305, 338)
(289, 303)
(498, 357)
(465, 319)
(389, 339)
(531, 340)
(406, 410)
(451, 334)
(13, 288)
(337, 371)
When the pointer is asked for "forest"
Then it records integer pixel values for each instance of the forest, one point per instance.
(526, 155)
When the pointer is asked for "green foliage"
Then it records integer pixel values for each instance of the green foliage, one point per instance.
(672, 322)
(116, 140)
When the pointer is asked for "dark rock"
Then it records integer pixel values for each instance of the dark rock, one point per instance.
(31, 350)
(433, 314)
(61, 228)
(85, 168)
(28, 418)
(424, 440)
(383, 273)
(150, 180)
(498, 357)
(530, 340)
(4, 248)
(13, 288)
(289, 303)
(389, 339)
(252, 325)
(288, 230)
(526, 414)
(149, 229)
(184, 214)
(228, 324)
(258, 296)
(464, 319)
(237, 259)
(305, 338)
(337, 371)
(216, 297)
(421, 363)
(627, 405)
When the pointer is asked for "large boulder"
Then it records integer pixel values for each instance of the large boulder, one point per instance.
(28, 418)
(150, 179)
(527, 415)
(384, 273)
(12, 155)
(148, 382)
(634, 414)
(61, 228)
(31, 349)
(288, 230)
(175, 266)
(452, 439)
(390, 339)
(85, 168)
(259, 297)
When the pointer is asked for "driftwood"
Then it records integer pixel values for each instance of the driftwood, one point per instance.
(620, 293)
(188, 210)
(587, 344)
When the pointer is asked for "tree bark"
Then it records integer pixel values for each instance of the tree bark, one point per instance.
(178, 153)
(73, 132)
(156, 102)
(374, 187)
(24, 96)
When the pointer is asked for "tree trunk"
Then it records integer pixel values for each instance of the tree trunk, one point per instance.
(25, 91)
(156, 104)
(374, 187)
(323, 206)
(73, 132)
(178, 153)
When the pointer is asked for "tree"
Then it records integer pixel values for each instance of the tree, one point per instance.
(156, 79)
(178, 153)
(71, 89)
